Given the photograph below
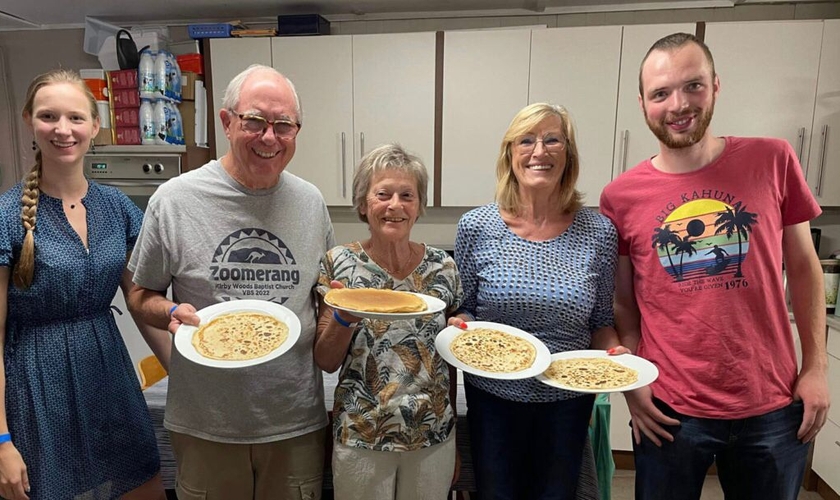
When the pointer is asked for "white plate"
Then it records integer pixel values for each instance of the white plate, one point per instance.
(449, 333)
(433, 305)
(647, 370)
(184, 334)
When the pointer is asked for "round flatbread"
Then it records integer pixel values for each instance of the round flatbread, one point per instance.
(591, 373)
(375, 300)
(240, 336)
(493, 350)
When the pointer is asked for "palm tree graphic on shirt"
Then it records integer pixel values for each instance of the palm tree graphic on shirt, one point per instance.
(721, 229)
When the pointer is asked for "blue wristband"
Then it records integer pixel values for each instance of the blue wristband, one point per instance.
(5, 438)
(172, 309)
(341, 321)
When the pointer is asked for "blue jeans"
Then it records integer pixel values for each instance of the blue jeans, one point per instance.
(526, 450)
(757, 458)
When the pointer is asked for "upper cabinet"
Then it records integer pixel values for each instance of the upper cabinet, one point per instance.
(578, 69)
(485, 83)
(768, 79)
(634, 141)
(356, 93)
(824, 160)
(322, 71)
(228, 57)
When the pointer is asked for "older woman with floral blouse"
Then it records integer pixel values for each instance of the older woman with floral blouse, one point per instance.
(394, 419)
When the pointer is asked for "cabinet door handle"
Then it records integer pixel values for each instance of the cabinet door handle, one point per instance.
(801, 144)
(343, 168)
(625, 141)
(362, 143)
(823, 144)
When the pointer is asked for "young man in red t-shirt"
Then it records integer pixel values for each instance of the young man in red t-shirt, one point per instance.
(703, 228)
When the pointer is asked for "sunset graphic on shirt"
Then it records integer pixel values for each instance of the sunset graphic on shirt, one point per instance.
(704, 238)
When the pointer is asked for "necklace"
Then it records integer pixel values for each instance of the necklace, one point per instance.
(398, 271)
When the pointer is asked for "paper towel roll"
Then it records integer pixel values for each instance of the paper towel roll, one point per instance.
(104, 114)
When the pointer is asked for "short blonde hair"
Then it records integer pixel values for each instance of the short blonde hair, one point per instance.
(507, 187)
(384, 158)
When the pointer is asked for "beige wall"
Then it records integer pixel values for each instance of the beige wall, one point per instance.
(31, 52)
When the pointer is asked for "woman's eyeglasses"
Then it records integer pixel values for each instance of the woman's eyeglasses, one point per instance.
(551, 143)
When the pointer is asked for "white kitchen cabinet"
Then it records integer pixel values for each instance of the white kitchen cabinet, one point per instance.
(585, 82)
(356, 93)
(827, 444)
(768, 74)
(394, 94)
(485, 83)
(228, 57)
(634, 141)
(359, 92)
(824, 160)
(322, 70)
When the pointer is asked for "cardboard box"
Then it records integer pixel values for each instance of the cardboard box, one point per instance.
(103, 138)
(188, 79)
(127, 135)
(187, 109)
(126, 117)
(123, 79)
(125, 98)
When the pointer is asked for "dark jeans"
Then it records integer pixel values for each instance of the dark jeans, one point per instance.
(526, 450)
(757, 458)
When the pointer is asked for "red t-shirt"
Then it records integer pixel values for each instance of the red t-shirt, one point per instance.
(706, 248)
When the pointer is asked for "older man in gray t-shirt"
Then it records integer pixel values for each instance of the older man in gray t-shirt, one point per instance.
(241, 228)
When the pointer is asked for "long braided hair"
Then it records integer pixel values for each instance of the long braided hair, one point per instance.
(24, 270)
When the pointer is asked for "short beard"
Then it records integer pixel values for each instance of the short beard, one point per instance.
(661, 131)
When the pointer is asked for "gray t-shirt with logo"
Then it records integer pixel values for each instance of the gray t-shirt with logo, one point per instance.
(214, 240)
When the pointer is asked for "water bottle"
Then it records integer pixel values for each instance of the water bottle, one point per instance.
(146, 75)
(178, 129)
(147, 122)
(175, 77)
(160, 122)
(161, 76)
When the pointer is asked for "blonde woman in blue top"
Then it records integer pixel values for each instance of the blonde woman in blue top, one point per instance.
(538, 261)
(74, 423)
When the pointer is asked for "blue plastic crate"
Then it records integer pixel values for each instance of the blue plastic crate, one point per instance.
(217, 30)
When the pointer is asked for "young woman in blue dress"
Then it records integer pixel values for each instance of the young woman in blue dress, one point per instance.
(73, 423)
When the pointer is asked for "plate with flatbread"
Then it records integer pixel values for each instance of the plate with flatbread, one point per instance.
(239, 333)
(375, 303)
(493, 350)
(593, 371)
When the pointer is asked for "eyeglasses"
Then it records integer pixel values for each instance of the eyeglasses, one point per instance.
(255, 124)
(527, 143)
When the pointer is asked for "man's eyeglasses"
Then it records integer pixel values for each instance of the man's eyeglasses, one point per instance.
(255, 124)
(551, 143)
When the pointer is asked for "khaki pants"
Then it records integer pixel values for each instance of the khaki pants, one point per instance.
(291, 469)
(424, 474)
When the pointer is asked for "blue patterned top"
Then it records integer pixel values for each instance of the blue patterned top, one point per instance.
(559, 290)
(73, 402)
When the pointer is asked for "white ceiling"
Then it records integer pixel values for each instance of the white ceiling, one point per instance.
(29, 14)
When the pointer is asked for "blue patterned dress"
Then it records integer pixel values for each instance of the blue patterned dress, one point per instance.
(73, 403)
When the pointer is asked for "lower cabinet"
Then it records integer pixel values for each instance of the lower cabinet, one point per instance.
(826, 461)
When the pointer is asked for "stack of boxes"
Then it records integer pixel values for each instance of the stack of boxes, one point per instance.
(96, 82)
(125, 106)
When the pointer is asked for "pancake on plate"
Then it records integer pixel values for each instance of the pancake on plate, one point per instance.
(240, 336)
(493, 350)
(591, 373)
(375, 300)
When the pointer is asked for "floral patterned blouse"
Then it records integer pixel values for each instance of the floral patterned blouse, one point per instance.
(393, 388)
